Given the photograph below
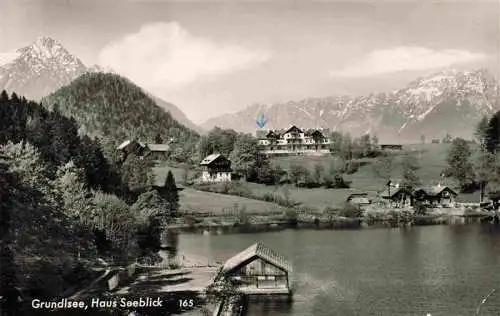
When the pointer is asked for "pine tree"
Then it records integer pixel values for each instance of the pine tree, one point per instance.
(493, 133)
(481, 132)
(171, 194)
(410, 168)
(158, 138)
(4, 96)
(460, 164)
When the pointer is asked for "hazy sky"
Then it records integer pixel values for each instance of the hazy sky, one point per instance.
(211, 57)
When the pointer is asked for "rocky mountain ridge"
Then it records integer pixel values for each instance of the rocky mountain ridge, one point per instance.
(445, 102)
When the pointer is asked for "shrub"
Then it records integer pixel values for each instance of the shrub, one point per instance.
(351, 211)
(352, 167)
(190, 221)
(330, 210)
(420, 208)
(291, 217)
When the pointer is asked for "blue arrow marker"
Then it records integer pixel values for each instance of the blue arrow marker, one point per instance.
(261, 121)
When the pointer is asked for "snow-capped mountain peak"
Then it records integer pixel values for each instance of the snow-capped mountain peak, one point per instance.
(39, 68)
(45, 50)
(44, 65)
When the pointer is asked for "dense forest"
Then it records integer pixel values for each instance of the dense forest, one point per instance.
(110, 106)
(63, 204)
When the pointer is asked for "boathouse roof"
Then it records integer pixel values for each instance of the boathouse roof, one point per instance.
(257, 250)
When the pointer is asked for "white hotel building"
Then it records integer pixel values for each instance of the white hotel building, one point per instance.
(294, 141)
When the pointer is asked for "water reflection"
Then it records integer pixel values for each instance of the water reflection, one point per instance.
(268, 307)
(442, 270)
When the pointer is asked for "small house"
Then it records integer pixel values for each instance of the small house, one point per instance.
(131, 146)
(215, 168)
(391, 147)
(358, 199)
(157, 151)
(398, 196)
(258, 270)
(436, 196)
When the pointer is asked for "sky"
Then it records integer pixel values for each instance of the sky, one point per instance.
(213, 57)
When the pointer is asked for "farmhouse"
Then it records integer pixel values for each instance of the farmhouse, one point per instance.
(397, 196)
(294, 141)
(215, 168)
(131, 146)
(391, 147)
(436, 196)
(153, 151)
(156, 151)
(358, 199)
(258, 270)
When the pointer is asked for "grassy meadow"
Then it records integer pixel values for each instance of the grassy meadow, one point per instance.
(431, 158)
(192, 200)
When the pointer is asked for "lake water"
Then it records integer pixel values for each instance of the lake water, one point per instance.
(442, 270)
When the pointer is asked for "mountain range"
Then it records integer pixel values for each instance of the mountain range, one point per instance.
(45, 65)
(447, 102)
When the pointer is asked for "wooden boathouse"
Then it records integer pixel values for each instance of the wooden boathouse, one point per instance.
(258, 270)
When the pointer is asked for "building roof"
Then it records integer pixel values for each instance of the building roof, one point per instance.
(435, 190)
(360, 200)
(257, 250)
(209, 159)
(158, 147)
(128, 142)
(394, 191)
(124, 144)
(293, 127)
(317, 133)
(361, 194)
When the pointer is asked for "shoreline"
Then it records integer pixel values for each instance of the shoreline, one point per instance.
(335, 223)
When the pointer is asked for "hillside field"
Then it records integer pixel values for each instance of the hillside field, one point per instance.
(192, 200)
(431, 157)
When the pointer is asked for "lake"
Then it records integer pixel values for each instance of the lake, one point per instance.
(442, 270)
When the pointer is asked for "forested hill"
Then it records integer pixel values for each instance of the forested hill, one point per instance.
(56, 139)
(109, 105)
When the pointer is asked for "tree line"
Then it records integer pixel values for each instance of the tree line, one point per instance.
(478, 168)
(63, 203)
